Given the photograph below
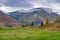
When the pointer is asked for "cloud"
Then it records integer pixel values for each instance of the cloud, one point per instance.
(53, 4)
(56, 1)
(19, 3)
(55, 7)
(3, 1)
(7, 9)
(26, 4)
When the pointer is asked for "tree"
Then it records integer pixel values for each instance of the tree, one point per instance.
(47, 20)
(42, 23)
(32, 24)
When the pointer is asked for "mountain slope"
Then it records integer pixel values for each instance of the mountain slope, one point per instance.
(35, 15)
(5, 19)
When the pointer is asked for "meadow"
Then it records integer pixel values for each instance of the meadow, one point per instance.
(9, 33)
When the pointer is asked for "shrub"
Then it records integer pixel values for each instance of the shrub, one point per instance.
(14, 26)
(23, 25)
(57, 21)
(32, 24)
(42, 23)
(47, 20)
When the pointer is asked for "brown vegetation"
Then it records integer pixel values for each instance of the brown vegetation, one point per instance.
(52, 26)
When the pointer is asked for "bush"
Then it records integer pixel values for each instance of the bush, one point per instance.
(32, 24)
(57, 21)
(42, 23)
(47, 20)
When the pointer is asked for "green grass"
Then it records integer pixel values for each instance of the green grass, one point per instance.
(28, 34)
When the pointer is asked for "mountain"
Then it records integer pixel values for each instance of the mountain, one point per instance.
(7, 20)
(35, 15)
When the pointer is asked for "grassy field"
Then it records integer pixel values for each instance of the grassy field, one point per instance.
(28, 34)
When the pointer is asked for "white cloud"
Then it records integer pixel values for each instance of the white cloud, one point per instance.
(6, 9)
(53, 4)
(36, 5)
(55, 7)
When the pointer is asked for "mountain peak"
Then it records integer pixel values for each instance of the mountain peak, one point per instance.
(35, 15)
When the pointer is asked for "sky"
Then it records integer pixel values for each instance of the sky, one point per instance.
(10, 5)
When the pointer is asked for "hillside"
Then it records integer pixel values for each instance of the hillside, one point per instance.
(35, 15)
(7, 20)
